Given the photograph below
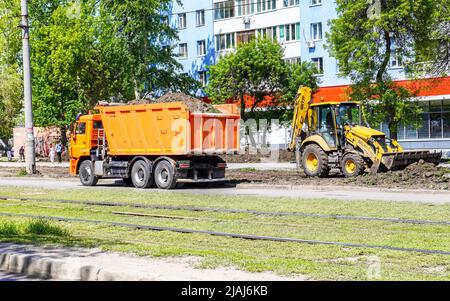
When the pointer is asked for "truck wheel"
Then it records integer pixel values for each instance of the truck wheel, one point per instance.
(165, 175)
(141, 175)
(352, 165)
(315, 161)
(87, 176)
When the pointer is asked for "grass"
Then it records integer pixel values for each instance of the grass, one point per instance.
(314, 261)
(22, 172)
(36, 226)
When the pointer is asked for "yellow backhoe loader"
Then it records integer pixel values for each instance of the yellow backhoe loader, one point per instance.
(330, 135)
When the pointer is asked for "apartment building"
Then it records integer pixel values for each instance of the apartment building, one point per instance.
(195, 50)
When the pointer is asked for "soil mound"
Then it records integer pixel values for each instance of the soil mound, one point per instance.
(193, 104)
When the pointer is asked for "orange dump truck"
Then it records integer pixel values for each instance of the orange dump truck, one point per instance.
(159, 144)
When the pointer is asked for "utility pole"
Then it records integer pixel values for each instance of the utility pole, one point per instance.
(30, 156)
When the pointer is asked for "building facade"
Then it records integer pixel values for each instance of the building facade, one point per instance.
(300, 26)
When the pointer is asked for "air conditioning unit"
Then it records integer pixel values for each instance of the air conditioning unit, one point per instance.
(311, 44)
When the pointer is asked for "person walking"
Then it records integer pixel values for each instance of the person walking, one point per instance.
(22, 153)
(59, 151)
(52, 153)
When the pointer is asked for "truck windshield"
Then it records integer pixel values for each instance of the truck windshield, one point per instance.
(348, 114)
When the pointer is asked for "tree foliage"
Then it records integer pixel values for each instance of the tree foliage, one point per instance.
(257, 70)
(84, 51)
(365, 37)
(434, 49)
(10, 76)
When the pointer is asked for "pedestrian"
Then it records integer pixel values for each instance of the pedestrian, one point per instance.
(59, 151)
(9, 153)
(22, 153)
(52, 154)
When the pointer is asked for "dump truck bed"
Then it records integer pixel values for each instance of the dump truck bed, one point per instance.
(169, 129)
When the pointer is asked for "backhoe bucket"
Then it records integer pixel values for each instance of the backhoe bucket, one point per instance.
(399, 161)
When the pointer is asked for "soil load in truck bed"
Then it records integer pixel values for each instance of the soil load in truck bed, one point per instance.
(192, 104)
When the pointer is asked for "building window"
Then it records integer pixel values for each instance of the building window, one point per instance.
(315, 2)
(181, 21)
(245, 36)
(293, 60)
(202, 78)
(396, 60)
(316, 31)
(183, 50)
(200, 17)
(165, 20)
(245, 7)
(224, 10)
(225, 41)
(287, 3)
(268, 32)
(201, 49)
(290, 32)
(266, 5)
(318, 62)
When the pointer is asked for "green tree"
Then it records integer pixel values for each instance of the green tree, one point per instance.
(84, 51)
(434, 49)
(10, 68)
(255, 70)
(365, 37)
(65, 63)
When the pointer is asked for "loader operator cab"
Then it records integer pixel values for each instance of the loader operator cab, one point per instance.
(329, 119)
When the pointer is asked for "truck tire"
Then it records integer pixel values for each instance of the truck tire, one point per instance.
(165, 175)
(352, 165)
(315, 161)
(140, 175)
(86, 172)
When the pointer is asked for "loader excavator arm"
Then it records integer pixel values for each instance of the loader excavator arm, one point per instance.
(301, 107)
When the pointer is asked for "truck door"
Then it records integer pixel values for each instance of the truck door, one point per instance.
(78, 140)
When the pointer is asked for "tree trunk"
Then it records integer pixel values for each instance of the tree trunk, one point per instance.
(393, 129)
(63, 130)
(137, 95)
(242, 108)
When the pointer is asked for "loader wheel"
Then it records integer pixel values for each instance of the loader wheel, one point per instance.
(165, 175)
(87, 176)
(315, 161)
(141, 175)
(352, 165)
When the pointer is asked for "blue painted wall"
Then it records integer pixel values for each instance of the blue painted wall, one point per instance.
(323, 13)
(193, 64)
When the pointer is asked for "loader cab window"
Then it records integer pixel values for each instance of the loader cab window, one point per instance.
(326, 124)
(347, 114)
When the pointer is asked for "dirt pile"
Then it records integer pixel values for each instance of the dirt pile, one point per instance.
(283, 156)
(416, 176)
(193, 104)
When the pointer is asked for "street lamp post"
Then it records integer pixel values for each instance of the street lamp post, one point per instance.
(30, 157)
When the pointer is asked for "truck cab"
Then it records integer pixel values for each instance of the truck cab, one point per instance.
(86, 136)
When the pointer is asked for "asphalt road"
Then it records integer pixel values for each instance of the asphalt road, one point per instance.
(303, 192)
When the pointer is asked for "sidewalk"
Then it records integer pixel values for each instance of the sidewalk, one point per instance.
(95, 265)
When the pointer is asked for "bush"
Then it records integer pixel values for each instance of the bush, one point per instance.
(9, 228)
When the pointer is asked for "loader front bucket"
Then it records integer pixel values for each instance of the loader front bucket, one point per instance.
(399, 161)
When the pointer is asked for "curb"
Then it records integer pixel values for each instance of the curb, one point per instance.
(57, 269)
